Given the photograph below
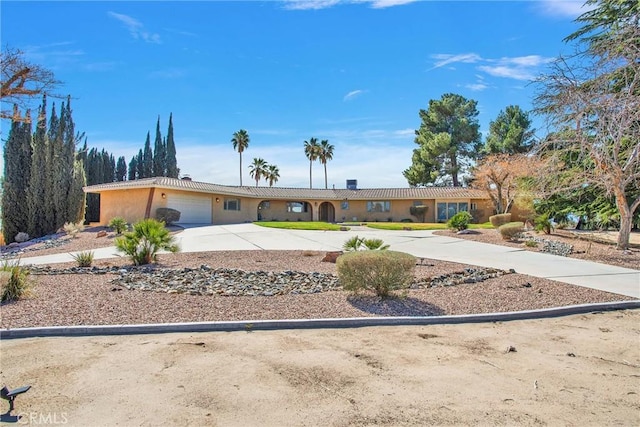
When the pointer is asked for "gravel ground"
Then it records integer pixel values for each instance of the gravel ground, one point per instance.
(89, 299)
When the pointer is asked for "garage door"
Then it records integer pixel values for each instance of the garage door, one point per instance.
(193, 209)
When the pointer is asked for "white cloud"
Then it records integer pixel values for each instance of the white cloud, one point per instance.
(446, 59)
(476, 87)
(136, 28)
(324, 4)
(518, 68)
(564, 8)
(353, 94)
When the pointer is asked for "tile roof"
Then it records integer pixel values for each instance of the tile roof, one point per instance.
(415, 193)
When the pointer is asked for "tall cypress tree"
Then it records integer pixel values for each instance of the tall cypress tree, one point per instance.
(17, 173)
(172, 163)
(159, 153)
(147, 159)
(140, 165)
(38, 182)
(133, 168)
(50, 209)
(121, 169)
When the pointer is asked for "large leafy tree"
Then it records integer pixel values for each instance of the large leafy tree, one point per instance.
(240, 142)
(448, 140)
(311, 150)
(325, 153)
(510, 132)
(593, 100)
(258, 169)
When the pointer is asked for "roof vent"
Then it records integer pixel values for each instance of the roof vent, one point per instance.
(186, 178)
(352, 184)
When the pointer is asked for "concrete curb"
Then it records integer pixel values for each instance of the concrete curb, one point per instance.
(265, 325)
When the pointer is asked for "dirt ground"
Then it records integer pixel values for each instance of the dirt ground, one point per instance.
(581, 370)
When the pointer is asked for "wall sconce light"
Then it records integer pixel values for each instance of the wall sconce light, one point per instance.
(316, 204)
(217, 199)
(164, 196)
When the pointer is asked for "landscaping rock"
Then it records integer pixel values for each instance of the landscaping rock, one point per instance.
(101, 233)
(331, 256)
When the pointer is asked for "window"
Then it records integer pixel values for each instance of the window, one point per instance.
(231, 204)
(418, 203)
(474, 206)
(344, 205)
(444, 211)
(379, 206)
(265, 204)
(297, 207)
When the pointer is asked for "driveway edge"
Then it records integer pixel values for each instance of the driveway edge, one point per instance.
(265, 325)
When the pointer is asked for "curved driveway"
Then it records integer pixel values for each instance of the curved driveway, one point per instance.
(422, 244)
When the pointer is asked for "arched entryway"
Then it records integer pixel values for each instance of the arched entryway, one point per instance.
(327, 212)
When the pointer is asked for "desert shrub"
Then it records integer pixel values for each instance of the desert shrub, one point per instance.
(379, 271)
(73, 229)
(118, 224)
(22, 237)
(14, 281)
(460, 221)
(500, 219)
(167, 215)
(543, 223)
(357, 243)
(531, 244)
(511, 230)
(84, 258)
(407, 220)
(148, 237)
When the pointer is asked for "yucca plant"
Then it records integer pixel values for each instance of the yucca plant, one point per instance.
(84, 258)
(357, 243)
(14, 281)
(148, 237)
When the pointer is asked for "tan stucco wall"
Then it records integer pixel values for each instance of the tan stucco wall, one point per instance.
(277, 211)
(129, 204)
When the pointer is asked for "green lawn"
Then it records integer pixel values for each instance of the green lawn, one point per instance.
(421, 225)
(317, 225)
(299, 225)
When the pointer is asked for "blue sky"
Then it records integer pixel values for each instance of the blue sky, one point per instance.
(355, 72)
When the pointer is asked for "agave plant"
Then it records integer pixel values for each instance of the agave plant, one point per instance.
(357, 243)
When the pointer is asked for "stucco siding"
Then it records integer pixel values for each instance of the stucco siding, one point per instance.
(129, 204)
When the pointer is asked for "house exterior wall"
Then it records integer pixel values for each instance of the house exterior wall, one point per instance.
(129, 204)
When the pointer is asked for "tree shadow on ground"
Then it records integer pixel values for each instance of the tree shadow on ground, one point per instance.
(394, 306)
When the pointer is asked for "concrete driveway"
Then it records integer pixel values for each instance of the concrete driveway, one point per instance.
(422, 244)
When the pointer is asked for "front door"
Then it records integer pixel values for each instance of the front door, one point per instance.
(327, 212)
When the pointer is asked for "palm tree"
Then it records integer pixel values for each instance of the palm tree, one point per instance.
(325, 153)
(257, 169)
(272, 174)
(240, 143)
(311, 151)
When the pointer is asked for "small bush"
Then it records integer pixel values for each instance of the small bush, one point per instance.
(406, 220)
(118, 224)
(379, 271)
(511, 230)
(500, 219)
(167, 215)
(73, 229)
(460, 221)
(148, 237)
(531, 244)
(22, 237)
(419, 212)
(543, 223)
(84, 258)
(357, 243)
(14, 281)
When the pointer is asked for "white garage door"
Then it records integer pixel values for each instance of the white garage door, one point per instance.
(193, 209)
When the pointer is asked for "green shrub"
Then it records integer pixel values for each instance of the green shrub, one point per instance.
(356, 243)
(379, 271)
(148, 237)
(531, 244)
(14, 281)
(500, 219)
(84, 258)
(511, 230)
(167, 215)
(118, 224)
(460, 221)
(73, 229)
(543, 223)
(419, 211)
